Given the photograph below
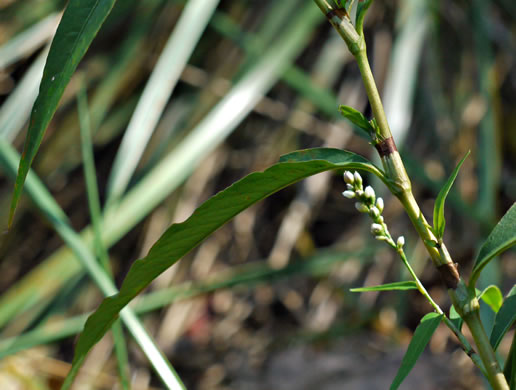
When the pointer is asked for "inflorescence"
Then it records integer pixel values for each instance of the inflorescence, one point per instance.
(366, 202)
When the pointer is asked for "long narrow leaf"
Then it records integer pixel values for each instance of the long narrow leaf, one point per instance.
(422, 336)
(180, 238)
(504, 319)
(500, 239)
(439, 221)
(401, 286)
(80, 23)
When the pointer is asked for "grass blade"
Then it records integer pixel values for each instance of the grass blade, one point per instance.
(422, 336)
(439, 221)
(162, 82)
(503, 320)
(96, 218)
(400, 286)
(500, 239)
(180, 238)
(79, 25)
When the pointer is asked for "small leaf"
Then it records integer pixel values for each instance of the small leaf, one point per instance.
(439, 221)
(402, 286)
(357, 118)
(493, 297)
(422, 336)
(503, 320)
(181, 238)
(80, 23)
(362, 8)
(500, 239)
(456, 318)
(510, 365)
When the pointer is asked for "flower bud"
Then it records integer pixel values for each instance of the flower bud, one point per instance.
(369, 193)
(400, 242)
(379, 204)
(374, 212)
(350, 187)
(376, 229)
(348, 177)
(361, 207)
(349, 194)
(358, 179)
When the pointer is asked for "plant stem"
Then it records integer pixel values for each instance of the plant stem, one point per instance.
(463, 298)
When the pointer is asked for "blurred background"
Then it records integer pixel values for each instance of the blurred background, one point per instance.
(185, 100)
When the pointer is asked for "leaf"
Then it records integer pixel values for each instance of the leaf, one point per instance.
(180, 238)
(80, 23)
(422, 336)
(401, 286)
(362, 8)
(509, 370)
(503, 320)
(357, 118)
(500, 239)
(455, 318)
(439, 221)
(493, 297)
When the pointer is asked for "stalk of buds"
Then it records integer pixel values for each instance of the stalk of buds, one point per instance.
(367, 202)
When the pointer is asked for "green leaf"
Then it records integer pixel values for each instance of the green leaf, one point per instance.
(510, 365)
(493, 297)
(456, 318)
(80, 23)
(402, 286)
(439, 221)
(180, 238)
(503, 320)
(500, 239)
(362, 8)
(357, 118)
(422, 336)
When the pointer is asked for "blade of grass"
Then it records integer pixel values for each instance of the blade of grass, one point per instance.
(400, 286)
(96, 219)
(158, 90)
(43, 199)
(80, 23)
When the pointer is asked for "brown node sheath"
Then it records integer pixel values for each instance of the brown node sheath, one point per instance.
(338, 12)
(386, 147)
(449, 275)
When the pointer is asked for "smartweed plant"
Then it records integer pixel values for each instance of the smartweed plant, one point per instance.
(80, 23)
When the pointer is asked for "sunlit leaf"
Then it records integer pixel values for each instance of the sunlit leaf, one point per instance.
(493, 297)
(357, 118)
(439, 221)
(402, 286)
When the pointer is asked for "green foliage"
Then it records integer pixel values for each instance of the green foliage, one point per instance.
(500, 239)
(422, 336)
(439, 221)
(180, 238)
(493, 297)
(503, 320)
(401, 286)
(80, 23)
(358, 119)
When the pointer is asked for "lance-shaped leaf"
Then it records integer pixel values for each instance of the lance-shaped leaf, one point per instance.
(180, 238)
(80, 23)
(501, 238)
(401, 286)
(422, 336)
(358, 119)
(504, 319)
(439, 221)
(493, 297)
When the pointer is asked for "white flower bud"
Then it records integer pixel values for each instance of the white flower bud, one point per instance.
(380, 219)
(358, 179)
(379, 204)
(374, 212)
(361, 207)
(359, 193)
(349, 194)
(369, 193)
(350, 187)
(348, 177)
(376, 228)
(400, 242)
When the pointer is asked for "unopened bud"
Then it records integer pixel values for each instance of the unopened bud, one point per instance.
(374, 212)
(400, 242)
(349, 194)
(361, 207)
(379, 204)
(348, 177)
(369, 193)
(376, 228)
(358, 179)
